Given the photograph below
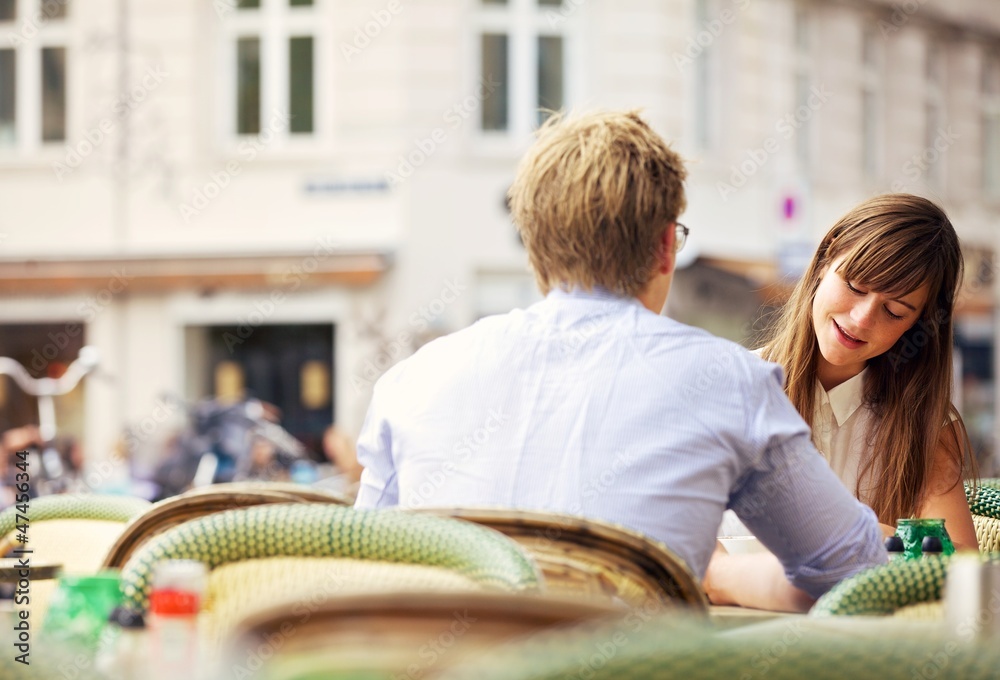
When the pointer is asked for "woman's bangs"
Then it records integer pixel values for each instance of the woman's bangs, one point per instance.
(890, 268)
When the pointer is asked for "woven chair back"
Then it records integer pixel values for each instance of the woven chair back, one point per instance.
(315, 530)
(74, 531)
(587, 557)
(304, 492)
(400, 635)
(304, 584)
(884, 589)
(784, 649)
(984, 499)
(180, 509)
(987, 533)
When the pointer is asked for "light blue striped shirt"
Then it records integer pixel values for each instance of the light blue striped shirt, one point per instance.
(590, 404)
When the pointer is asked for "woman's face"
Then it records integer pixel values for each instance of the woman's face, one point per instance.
(854, 324)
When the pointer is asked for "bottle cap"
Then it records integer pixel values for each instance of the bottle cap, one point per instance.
(126, 617)
(178, 586)
(931, 544)
(894, 544)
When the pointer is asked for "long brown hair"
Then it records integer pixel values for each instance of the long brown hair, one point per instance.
(892, 243)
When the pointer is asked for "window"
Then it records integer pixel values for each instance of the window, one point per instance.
(871, 104)
(934, 113)
(706, 65)
(33, 70)
(803, 85)
(522, 55)
(991, 126)
(270, 49)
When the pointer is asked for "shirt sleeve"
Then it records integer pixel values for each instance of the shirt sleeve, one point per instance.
(379, 488)
(795, 504)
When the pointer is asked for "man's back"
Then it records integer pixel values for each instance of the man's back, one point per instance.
(592, 405)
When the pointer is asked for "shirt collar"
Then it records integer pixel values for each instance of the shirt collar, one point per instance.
(598, 294)
(845, 398)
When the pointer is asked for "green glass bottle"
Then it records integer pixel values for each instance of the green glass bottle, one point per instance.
(914, 531)
(79, 608)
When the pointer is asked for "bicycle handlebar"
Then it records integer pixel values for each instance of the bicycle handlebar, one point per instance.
(50, 387)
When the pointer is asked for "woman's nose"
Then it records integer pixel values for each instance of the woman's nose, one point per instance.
(863, 313)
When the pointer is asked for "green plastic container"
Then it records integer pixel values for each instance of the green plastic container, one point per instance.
(914, 531)
(79, 608)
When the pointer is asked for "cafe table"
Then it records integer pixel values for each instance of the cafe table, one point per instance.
(11, 570)
(735, 617)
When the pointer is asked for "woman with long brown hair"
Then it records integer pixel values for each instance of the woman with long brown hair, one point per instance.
(866, 343)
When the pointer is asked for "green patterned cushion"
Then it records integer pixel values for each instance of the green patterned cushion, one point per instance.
(886, 588)
(75, 506)
(674, 647)
(984, 500)
(314, 530)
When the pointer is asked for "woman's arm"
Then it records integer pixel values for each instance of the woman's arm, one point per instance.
(945, 493)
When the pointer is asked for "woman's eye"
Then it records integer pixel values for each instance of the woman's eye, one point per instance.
(853, 289)
(893, 316)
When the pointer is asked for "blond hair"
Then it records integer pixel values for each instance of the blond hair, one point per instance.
(892, 243)
(592, 200)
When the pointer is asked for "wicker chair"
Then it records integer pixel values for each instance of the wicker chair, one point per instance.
(984, 499)
(312, 494)
(400, 635)
(884, 589)
(908, 589)
(987, 533)
(72, 530)
(185, 507)
(593, 558)
(241, 545)
(676, 648)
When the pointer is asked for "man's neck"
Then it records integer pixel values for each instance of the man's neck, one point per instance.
(654, 296)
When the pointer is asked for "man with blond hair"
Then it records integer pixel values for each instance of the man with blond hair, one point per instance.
(591, 403)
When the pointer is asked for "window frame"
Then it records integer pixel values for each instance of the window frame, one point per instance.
(935, 98)
(990, 114)
(274, 23)
(707, 91)
(28, 89)
(873, 85)
(524, 22)
(804, 68)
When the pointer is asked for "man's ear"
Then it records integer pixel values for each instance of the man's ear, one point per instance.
(666, 256)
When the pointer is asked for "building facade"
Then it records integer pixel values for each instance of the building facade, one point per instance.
(288, 196)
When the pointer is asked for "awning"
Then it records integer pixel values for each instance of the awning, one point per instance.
(162, 273)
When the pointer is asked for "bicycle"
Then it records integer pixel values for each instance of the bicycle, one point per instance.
(49, 461)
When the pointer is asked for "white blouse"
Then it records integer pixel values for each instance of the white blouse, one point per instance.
(840, 425)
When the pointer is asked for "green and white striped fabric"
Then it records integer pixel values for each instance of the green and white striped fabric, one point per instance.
(313, 530)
